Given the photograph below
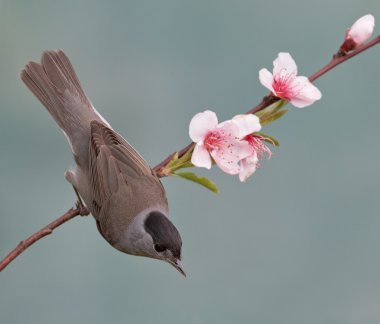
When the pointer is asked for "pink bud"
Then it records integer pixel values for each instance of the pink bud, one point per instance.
(359, 33)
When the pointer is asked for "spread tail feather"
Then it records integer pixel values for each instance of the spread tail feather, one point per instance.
(55, 84)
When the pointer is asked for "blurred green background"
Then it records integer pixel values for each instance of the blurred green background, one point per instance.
(298, 243)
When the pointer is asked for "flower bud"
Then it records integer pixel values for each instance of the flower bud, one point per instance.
(359, 33)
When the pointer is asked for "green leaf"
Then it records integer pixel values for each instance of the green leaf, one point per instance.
(173, 161)
(273, 117)
(272, 113)
(205, 182)
(272, 108)
(177, 163)
(269, 139)
(185, 165)
(188, 154)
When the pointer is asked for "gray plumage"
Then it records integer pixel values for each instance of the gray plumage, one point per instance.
(115, 182)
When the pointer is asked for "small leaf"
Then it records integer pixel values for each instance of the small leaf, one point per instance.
(275, 116)
(281, 104)
(205, 182)
(173, 161)
(269, 139)
(185, 165)
(188, 154)
(179, 163)
(272, 113)
(272, 108)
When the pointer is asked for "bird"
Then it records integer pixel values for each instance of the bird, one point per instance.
(112, 180)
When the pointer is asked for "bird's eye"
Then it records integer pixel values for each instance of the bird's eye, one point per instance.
(159, 248)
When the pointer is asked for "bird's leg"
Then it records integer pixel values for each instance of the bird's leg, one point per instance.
(83, 211)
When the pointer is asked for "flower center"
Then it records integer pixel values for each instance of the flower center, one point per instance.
(214, 140)
(284, 85)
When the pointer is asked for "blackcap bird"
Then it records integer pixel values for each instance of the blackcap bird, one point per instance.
(115, 183)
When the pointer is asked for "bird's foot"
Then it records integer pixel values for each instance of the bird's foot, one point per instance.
(83, 211)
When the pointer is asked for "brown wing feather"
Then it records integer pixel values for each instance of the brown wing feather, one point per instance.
(122, 183)
(123, 152)
(110, 157)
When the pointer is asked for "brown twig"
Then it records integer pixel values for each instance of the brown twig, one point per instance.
(271, 99)
(159, 166)
(337, 59)
(23, 245)
(267, 101)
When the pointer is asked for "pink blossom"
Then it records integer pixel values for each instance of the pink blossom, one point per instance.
(285, 84)
(250, 164)
(359, 33)
(221, 142)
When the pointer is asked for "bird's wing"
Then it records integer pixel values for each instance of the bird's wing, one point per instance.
(122, 183)
(112, 158)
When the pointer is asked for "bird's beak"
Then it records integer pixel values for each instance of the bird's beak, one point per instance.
(178, 265)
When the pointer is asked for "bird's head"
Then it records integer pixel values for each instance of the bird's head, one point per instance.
(152, 234)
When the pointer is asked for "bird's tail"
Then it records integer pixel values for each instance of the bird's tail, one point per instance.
(55, 84)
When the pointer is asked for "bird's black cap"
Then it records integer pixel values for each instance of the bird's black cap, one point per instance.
(165, 235)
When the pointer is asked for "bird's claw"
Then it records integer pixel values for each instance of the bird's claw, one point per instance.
(83, 211)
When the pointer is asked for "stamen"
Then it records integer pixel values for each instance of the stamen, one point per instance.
(284, 85)
(256, 141)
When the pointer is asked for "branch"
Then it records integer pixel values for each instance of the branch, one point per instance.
(338, 59)
(23, 245)
(271, 99)
(267, 101)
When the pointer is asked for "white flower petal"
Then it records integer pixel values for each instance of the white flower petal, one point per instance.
(201, 124)
(229, 128)
(307, 94)
(201, 157)
(232, 149)
(284, 64)
(266, 79)
(362, 29)
(228, 156)
(247, 124)
(248, 166)
(228, 160)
